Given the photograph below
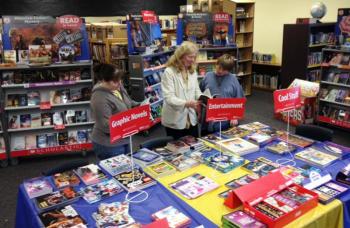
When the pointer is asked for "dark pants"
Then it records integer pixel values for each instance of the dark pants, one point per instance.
(103, 152)
(177, 133)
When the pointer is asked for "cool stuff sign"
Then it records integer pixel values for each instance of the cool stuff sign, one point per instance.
(287, 99)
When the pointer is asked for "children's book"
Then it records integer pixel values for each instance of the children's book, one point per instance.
(133, 181)
(260, 166)
(178, 146)
(90, 174)
(100, 191)
(115, 214)
(160, 169)
(280, 147)
(116, 164)
(182, 163)
(65, 179)
(56, 199)
(62, 217)
(144, 157)
(37, 187)
(238, 146)
(224, 162)
(174, 217)
(316, 157)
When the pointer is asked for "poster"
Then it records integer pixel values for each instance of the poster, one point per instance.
(198, 27)
(343, 26)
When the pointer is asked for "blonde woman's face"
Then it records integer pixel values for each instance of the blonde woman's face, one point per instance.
(188, 59)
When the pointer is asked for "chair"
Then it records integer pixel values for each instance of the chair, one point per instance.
(157, 142)
(314, 132)
(64, 167)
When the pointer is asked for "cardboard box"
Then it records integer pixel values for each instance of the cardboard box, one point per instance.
(307, 112)
(257, 191)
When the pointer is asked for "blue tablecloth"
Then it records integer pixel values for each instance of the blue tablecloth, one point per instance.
(333, 169)
(159, 198)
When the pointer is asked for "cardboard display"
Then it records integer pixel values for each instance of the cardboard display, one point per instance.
(256, 191)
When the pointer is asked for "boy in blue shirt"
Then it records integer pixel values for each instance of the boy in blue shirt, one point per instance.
(223, 84)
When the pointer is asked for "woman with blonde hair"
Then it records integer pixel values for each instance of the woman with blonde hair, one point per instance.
(181, 92)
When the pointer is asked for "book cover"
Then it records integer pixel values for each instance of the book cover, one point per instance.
(72, 137)
(160, 169)
(333, 149)
(62, 217)
(7, 78)
(81, 116)
(57, 119)
(65, 179)
(191, 141)
(56, 199)
(238, 146)
(70, 117)
(224, 162)
(25, 121)
(115, 214)
(194, 186)
(23, 56)
(182, 163)
(30, 142)
(140, 181)
(116, 164)
(296, 140)
(90, 174)
(17, 142)
(260, 166)
(75, 94)
(235, 132)
(51, 139)
(33, 98)
(41, 141)
(10, 56)
(174, 217)
(178, 146)
(14, 121)
(241, 219)
(211, 138)
(100, 191)
(46, 119)
(280, 147)
(241, 181)
(37, 187)
(36, 120)
(316, 157)
(82, 136)
(145, 155)
(253, 126)
(40, 54)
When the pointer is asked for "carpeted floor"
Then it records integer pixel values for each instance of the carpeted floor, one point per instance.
(259, 108)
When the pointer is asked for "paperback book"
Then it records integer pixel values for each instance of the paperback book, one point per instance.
(296, 140)
(37, 187)
(182, 163)
(175, 218)
(260, 166)
(36, 120)
(116, 165)
(240, 219)
(133, 181)
(253, 126)
(100, 191)
(238, 146)
(263, 136)
(90, 174)
(178, 146)
(316, 157)
(30, 142)
(56, 199)
(211, 138)
(280, 147)
(192, 142)
(241, 181)
(160, 169)
(235, 132)
(224, 162)
(65, 179)
(145, 157)
(115, 214)
(194, 186)
(62, 217)
(333, 149)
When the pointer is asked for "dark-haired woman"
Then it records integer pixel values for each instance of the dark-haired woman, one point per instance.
(108, 97)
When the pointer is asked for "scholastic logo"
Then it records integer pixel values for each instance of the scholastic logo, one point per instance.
(222, 17)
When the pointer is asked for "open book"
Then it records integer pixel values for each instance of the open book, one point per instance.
(206, 95)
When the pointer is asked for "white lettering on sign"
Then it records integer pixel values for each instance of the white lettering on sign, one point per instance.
(221, 16)
(69, 20)
(224, 106)
(126, 119)
(148, 14)
(289, 96)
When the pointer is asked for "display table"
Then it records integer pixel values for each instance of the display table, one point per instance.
(206, 210)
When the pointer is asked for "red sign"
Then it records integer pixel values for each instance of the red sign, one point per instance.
(219, 109)
(59, 127)
(45, 105)
(130, 122)
(222, 17)
(287, 99)
(69, 22)
(149, 16)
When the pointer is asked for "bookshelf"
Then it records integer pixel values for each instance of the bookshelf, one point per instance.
(146, 71)
(334, 99)
(46, 109)
(266, 75)
(302, 50)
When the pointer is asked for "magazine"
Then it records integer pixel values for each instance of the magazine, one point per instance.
(238, 146)
(62, 217)
(194, 186)
(316, 157)
(90, 174)
(65, 179)
(56, 199)
(100, 191)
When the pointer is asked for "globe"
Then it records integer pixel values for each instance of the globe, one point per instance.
(318, 10)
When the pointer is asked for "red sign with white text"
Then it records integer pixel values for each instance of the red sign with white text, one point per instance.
(219, 109)
(287, 99)
(149, 16)
(130, 122)
(69, 22)
(222, 17)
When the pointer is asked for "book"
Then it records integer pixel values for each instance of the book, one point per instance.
(241, 181)
(240, 219)
(65, 179)
(90, 174)
(36, 187)
(30, 142)
(25, 121)
(70, 117)
(263, 136)
(224, 162)
(116, 164)
(136, 180)
(81, 116)
(40, 54)
(82, 136)
(56, 199)
(10, 56)
(72, 137)
(202, 154)
(293, 173)
(115, 214)
(280, 147)
(46, 119)
(57, 119)
(238, 146)
(316, 157)
(333, 149)
(178, 146)
(18, 143)
(75, 94)
(210, 138)
(235, 132)
(7, 78)
(14, 121)
(160, 169)
(33, 98)
(296, 140)
(260, 166)
(194, 186)
(191, 141)
(100, 191)
(62, 217)
(41, 141)
(51, 139)
(23, 56)
(253, 126)
(175, 218)
(35, 120)
(144, 157)
(182, 163)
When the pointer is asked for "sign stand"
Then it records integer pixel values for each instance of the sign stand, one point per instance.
(135, 198)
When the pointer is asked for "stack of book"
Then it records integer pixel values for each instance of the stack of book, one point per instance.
(240, 219)
(263, 136)
(224, 162)
(313, 156)
(296, 140)
(175, 218)
(192, 142)
(160, 169)
(114, 214)
(238, 146)
(100, 191)
(117, 164)
(178, 146)
(90, 174)
(145, 157)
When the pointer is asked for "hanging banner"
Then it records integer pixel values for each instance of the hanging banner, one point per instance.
(220, 109)
(130, 122)
(287, 99)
